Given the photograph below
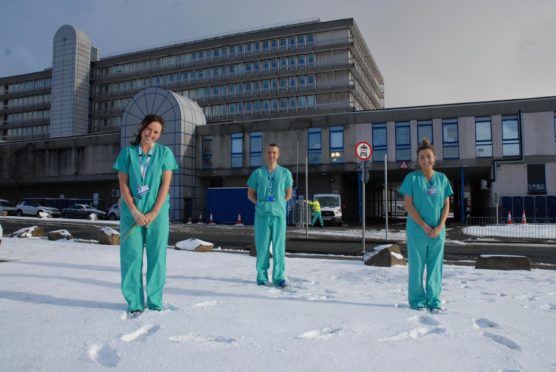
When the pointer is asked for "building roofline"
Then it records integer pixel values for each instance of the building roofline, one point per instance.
(428, 112)
(26, 76)
(344, 22)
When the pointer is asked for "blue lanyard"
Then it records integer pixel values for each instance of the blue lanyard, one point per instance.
(270, 176)
(143, 167)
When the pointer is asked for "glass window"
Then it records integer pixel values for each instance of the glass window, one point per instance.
(380, 142)
(301, 61)
(291, 42)
(301, 80)
(314, 140)
(291, 62)
(237, 150)
(207, 152)
(483, 138)
(311, 102)
(310, 80)
(283, 63)
(292, 82)
(283, 104)
(283, 43)
(536, 179)
(301, 40)
(403, 141)
(292, 103)
(310, 59)
(336, 144)
(450, 139)
(255, 149)
(510, 136)
(309, 39)
(424, 130)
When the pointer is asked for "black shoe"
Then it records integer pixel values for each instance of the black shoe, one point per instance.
(132, 314)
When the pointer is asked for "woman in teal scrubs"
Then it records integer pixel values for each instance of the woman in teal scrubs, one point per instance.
(427, 201)
(144, 173)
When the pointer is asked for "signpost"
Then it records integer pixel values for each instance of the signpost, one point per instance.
(363, 151)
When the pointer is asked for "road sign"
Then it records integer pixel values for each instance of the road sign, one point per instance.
(403, 165)
(363, 150)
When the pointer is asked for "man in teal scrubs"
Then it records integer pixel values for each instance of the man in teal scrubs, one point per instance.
(270, 187)
(427, 201)
(145, 172)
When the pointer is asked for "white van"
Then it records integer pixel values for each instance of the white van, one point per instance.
(331, 207)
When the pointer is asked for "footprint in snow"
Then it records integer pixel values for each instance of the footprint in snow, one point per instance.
(502, 340)
(141, 333)
(415, 333)
(323, 333)
(482, 323)
(104, 355)
(204, 339)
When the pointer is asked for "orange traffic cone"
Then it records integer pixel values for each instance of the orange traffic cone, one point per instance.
(211, 221)
(523, 218)
(200, 222)
(239, 222)
(509, 220)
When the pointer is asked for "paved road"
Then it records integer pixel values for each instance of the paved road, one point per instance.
(241, 238)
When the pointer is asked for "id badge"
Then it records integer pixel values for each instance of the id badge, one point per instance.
(432, 191)
(143, 190)
(270, 198)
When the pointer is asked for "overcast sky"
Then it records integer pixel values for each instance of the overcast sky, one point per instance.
(429, 52)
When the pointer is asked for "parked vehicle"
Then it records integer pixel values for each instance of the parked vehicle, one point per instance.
(82, 211)
(114, 212)
(1, 232)
(330, 207)
(6, 208)
(33, 208)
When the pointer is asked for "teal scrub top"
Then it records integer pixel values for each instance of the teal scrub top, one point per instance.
(261, 181)
(128, 162)
(428, 197)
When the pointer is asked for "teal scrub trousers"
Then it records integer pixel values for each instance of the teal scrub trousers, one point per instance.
(424, 251)
(270, 229)
(317, 215)
(152, 239)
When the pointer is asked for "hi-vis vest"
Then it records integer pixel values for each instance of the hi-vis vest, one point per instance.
(315, 206)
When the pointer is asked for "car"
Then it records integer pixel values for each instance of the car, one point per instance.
(82, 211)
(114, 212)
(33, 208)
(6, 208)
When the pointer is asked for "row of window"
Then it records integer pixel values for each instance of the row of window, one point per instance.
(261, 106)
(252, 48)
(29, 132)
(107, 123)
(336, 140)
(27, 116)
(41, 99)
(25, 86)
(293, 62)
(450, 138)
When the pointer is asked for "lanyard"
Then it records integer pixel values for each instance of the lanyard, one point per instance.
(143, 167)
(270, 176)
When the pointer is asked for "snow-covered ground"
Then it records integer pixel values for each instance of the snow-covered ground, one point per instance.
(61, 310)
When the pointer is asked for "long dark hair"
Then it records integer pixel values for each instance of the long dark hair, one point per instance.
(149, 118)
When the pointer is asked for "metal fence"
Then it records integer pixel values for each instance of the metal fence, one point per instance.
(298, 214)
(542, 228)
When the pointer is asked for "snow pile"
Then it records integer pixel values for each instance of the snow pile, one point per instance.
(27, 232)
(43, 214)
(336, 315)
(194, 245)
(108, 231)
(93, 217)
